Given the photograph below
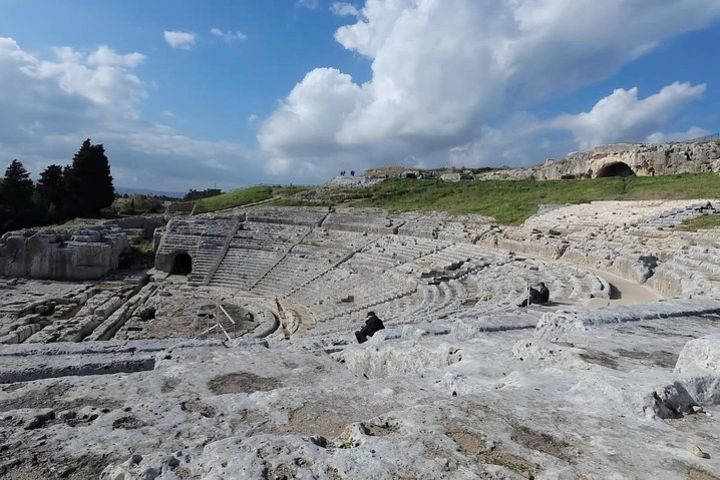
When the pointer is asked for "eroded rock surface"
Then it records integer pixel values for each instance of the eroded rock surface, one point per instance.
(246, 366)
(634, 159)
(85, 253)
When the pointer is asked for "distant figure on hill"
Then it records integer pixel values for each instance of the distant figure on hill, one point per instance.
(352, 173)
(372, 325)
(536, 296)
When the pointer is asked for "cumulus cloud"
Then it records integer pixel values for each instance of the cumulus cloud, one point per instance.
(105, 55)
(622, 116)
(178, 39)
(343, 9)
(307, 121)
(48, 106)
(103, 77)
(444, 72)
(523, 139)
(229, 37)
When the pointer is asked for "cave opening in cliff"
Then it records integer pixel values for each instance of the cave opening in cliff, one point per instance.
(617, 169)
(182, 264)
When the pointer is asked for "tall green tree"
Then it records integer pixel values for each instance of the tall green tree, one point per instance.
(17, 186)
(16, 192)
(88, 183)
(50, 190)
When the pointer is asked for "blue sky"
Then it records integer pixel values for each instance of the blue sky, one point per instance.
(212, 89)
(691, 57)
(289, 91)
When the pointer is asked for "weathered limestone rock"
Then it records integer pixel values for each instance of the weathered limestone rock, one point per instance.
(85, 253)
(604, 381)
(376, 360)
(637, 158)
(700, 357)
(145, 224)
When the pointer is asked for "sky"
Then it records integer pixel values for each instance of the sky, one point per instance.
(229, 93)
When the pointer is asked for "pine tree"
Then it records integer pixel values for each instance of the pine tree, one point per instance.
(88, 184)
(50, 188)
(17, 186)
(16, 205)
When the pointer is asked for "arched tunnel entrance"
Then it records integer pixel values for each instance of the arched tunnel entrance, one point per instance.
(617, 169)
(182, 264)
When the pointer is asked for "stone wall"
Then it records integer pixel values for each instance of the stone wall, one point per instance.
(84, 253)
(642, 159)
(146, 224)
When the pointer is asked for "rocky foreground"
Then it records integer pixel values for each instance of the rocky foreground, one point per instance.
(618, 377)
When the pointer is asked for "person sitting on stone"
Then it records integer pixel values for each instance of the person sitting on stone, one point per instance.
(372, 325)
(536, 296)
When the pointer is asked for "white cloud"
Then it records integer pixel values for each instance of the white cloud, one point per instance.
(622, 116)
(103, 77)
(307, 121)
(443, 72)
(309, 4)
(105, 55)
(519, 141)
(343, 9)
(181, 40)
(523, 140)
(49, 106)
(229, 37)
(690, 134)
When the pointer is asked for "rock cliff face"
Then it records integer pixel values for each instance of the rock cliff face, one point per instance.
(638, 159)
(86, 253)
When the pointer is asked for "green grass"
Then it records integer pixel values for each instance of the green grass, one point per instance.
(512, 202)
(509, 202)
(73, 222)
(289, 189)
(137, 204)
(704, 222)
(143, 252)
(236, 198)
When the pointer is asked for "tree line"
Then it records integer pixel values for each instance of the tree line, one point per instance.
(193, 195)
(81, 189)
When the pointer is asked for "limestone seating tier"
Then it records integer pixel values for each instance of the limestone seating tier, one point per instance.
(315, 254)
(312, 266)
(677, 216)
(392, 251)
(289, 216)
(460, 384)
(370, 222)
(332, 274)
(242, 267)
(294, 270)
(203, 239)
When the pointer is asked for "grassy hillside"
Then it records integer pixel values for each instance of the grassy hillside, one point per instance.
(511, 202)
(235, 198)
